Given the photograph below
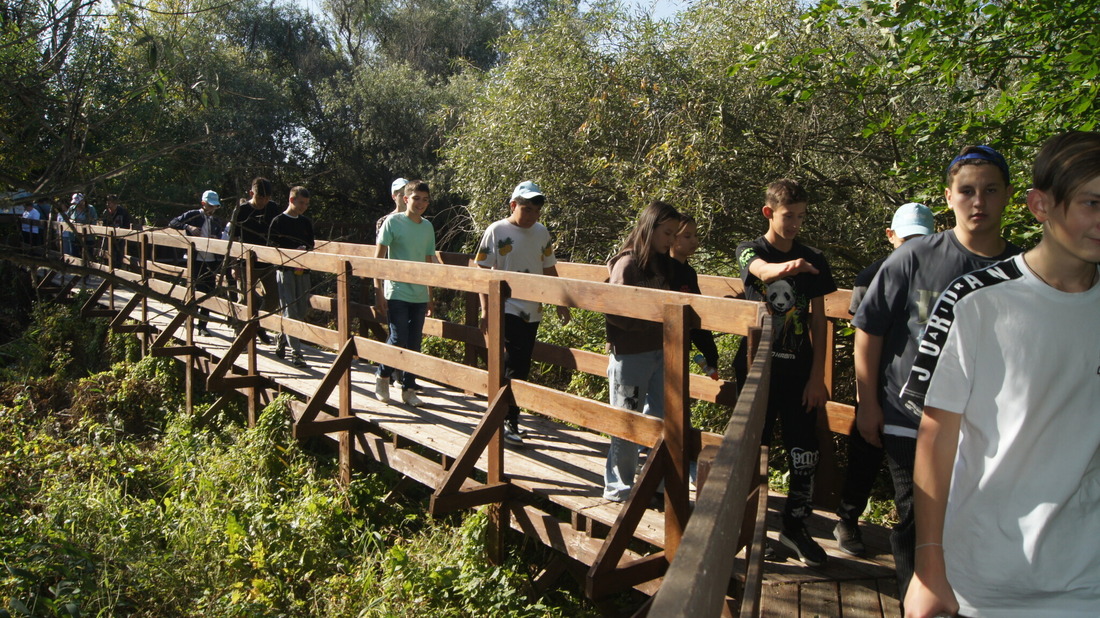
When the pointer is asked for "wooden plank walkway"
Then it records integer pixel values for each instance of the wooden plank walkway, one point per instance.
(564, 465)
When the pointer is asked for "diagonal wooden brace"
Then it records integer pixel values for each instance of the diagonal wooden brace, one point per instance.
(91, 307)
(606, 575)
(216, 380)
(463, 466)
(165, 336)
(331, 380)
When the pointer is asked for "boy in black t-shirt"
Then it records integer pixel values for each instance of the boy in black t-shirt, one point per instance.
(793, 280)
(292, 230)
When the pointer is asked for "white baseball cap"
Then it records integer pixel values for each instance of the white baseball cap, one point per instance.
(211, 197)
(526, 190)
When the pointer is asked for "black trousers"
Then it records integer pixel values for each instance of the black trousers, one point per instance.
(799, 438)
(901, 454)
(864, 461)
(519, 345)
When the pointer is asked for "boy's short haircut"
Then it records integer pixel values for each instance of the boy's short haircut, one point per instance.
(415, 186)
(112, 197)
(299, 191)
(785, 192)
(978, 155)
(1066, 162)
(262, 186)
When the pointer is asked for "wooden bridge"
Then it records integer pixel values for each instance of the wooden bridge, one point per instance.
(699, 553)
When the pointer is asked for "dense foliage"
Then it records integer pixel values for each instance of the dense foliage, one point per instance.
(605, 107)
(114, 502)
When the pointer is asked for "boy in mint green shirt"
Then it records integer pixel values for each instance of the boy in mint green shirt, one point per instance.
(405, 236)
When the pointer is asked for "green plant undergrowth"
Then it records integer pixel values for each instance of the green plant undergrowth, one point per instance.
(178, 519)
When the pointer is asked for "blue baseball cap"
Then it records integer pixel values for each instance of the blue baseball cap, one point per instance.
(211, 197)
(398, 184)
(912, 219)
(526, 190)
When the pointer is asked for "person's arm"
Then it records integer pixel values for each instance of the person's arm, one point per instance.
(930, 593)
(815, 393)
(768, 272)
(380, 251)
(431, 303)
(183, 222)
(868, 355)
(564, 314)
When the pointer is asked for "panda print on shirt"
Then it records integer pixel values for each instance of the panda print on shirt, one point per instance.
(787, 299)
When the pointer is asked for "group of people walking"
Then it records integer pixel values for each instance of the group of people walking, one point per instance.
(977, 364)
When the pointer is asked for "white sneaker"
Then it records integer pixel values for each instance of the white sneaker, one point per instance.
(409, 397)
(382, 389)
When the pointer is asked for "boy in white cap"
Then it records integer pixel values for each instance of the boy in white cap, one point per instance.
(397, 192)
(519, 243)
(910, 220)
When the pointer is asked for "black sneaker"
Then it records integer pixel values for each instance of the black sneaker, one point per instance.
(770, 555)
(263, 337)
(297, 361)
(511, 433)
(800, 541)
(848, 537)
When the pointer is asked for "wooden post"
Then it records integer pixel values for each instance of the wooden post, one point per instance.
(146, 255)
(253, 314)
(189, 325)
(343, 325)
(111, 264)
(678, 320)
(498, 514)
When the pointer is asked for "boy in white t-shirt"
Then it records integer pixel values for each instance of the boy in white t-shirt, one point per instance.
(519, 244)
(1007, 470)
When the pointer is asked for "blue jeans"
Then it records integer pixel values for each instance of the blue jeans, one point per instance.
(636, 383)
(406, 331)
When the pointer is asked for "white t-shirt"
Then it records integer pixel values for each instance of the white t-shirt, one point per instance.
(507, 246)
(1020, 361)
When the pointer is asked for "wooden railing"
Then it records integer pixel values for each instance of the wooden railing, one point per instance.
(733, 487)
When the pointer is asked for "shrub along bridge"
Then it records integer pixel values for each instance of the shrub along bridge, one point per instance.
(699, 553)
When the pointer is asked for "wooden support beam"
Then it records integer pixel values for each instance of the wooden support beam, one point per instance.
(335, 374)
(489, 426)
(235, 382)
(166, 335)
(124, 313)
(141, 329)
(244, 339)
(495, 493)
(177, 350)
(600, 579)
(92, 304)
(318, 427)
(628, 575)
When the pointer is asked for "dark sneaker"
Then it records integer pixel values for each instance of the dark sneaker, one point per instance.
(299, 362)
(770, 555)
(848, 537)
(799, 540)
(263, 337)
(511, 433)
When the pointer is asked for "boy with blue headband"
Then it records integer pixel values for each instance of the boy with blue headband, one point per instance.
(892, 316)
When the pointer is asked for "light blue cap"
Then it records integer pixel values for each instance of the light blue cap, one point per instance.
(913, 219)
(526, 190)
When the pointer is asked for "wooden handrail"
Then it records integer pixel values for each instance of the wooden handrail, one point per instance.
(696, 582)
